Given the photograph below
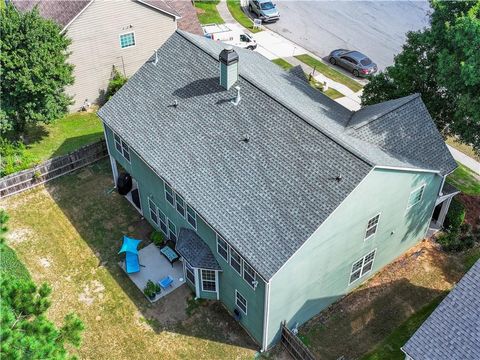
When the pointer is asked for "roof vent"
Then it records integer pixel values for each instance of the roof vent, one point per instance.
(228, 67)
(245, 138)
(156, 58)
(238, 97)
(338, 178)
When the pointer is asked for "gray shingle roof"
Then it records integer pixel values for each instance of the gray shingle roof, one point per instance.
(267, 196)
(195, 251)
(452, 332)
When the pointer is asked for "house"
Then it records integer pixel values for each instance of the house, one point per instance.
(107, 34)
(452, 331)
(298, 199)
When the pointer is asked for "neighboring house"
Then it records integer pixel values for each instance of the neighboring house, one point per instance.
(452, 331)
(121, 33)
(291, 200)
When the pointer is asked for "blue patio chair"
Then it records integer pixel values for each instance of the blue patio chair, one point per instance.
(166, 282)
(129, 247)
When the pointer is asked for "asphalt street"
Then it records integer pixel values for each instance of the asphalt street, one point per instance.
(376, 28)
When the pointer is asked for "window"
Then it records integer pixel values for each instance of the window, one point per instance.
(235, 261)
(127, 40)
(172, 231)
(362, 267)
(180, 204)
(415, 196)
(222, 248)
(122, 147)
(157, 216)
(372, 226)
(153, 211)
(190, 273)
(169, 195)
(163, 221)
(249, 275)
(192, 217)
(208, 280)
(241, 302)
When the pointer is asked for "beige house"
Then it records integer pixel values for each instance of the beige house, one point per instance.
(112, 33)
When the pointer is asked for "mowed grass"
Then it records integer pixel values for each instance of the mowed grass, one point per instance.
(238, 14)
(330, 72)
(284, 64)
(10, 264)
(207, 12)
(63, 136)
(464, 148)
(465, 180)
(68, 234)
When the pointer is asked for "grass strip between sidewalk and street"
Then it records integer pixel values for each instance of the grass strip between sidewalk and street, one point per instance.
(330, 72)
(285, 65)
(236, 10)
(207, 12)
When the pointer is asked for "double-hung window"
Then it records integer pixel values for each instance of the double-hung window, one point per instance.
(169, 195)
(180, 204)
(157, 216)
(153, 211)
(249, 275)
(372, 226)
(235, 261)
(127, 40)
(208, 280)
(415, 196)
(362, 267)
(190, 273)
(241, 302)
(222, 248)
(122, 147)
(172, 231)
(192, 217)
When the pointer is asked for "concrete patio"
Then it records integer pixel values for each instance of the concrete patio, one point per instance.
(154, 266)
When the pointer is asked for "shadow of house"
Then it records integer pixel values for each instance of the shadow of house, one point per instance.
(101, 217)
(74, 143)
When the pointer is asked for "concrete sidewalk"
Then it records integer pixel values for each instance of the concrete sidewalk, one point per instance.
(466, 160)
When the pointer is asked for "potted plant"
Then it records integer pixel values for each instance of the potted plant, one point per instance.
(150, 290)
(158, 289)
(157, 238)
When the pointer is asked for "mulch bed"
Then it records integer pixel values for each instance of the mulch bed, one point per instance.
(472, 205)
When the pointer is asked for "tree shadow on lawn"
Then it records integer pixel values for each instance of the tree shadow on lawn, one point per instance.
(102, 217)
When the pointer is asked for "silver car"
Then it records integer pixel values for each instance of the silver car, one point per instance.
(355, 62)
(264, 9)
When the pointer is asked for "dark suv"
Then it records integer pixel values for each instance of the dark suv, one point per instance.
(355, 62)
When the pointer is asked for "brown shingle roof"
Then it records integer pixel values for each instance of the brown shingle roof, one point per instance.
(189, 21)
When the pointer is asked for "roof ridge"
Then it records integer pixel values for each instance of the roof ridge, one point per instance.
(325, 132)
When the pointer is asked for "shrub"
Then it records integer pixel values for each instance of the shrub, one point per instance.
(458, 239)
(157, 238)
(150, 289)
(116, 82)
(455, 215)
(13, 157)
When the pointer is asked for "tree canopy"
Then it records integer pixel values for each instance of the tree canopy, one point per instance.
(442, 63)
(33, 69)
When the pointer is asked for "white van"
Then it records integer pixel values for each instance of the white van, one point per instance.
(221, 32)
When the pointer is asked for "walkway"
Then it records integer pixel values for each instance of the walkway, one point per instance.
(465, 159)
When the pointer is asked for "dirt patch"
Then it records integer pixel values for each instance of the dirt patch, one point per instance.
(355, 324)
(472, 205)
(171, 308)
(19, 235)
(44, 262)
(91, 292)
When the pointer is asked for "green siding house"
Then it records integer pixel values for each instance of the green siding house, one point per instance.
(280, 200)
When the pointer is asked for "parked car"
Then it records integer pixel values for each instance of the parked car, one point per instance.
(264, 9)
(222, 32)
(357, 63)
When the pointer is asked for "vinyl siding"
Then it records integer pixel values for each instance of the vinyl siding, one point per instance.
(96, 44)
(318, 274)
(150, 185)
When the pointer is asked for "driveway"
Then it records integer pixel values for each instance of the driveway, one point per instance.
(375, 28)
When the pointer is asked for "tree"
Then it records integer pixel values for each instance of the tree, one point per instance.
(443, 64)
(33, 69)
(3, 226)
(25, 331)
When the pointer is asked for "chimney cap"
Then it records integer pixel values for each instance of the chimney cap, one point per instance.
(228, 56)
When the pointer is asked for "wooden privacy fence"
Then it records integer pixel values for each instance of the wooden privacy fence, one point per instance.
(51, 169)
(295, 347)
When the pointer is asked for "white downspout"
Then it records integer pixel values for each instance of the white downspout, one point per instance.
(266, 317)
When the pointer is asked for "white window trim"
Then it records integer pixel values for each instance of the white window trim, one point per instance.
(254, 282)
(187, 215)
(168, 228)
(150, 200)
(175, 195)
(230, 261)
(362, 274)
(376, 227)
(214, 280)
(126, 33)
(121, 146)
(187, 266)
(421, 197)
(227, 249)
(158, 212)
(236, 302)
(174, 205)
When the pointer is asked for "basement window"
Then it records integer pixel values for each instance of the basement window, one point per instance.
(362, 267)
(415, 196)
(127, 40)
(241, 302)
(372, 226)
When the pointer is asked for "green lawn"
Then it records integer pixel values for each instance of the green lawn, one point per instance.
(240, 16)
(464, 148)
(285, 65)
(333, 94)
(465, 180)
(207, 12)
(11, 265)
(389, 349)
(330, 72)
(63, 136)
